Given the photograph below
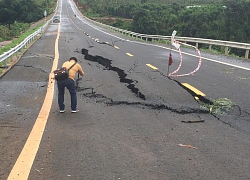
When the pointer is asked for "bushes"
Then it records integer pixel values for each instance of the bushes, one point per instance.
(122, 24)
(18, 40)
(4, 34)
(15, 30)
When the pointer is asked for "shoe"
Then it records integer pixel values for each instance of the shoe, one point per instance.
(62, 111)
(75, 111)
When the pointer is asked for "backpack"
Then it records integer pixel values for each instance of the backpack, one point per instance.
(62, 73)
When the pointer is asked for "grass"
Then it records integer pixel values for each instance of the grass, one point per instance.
(19, 40)
(16, 42)
(220, 106)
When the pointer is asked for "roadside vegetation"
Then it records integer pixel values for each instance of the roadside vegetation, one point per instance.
(213, 19)
(220, 106)
(16, 19)
(16, 16)
(19, 39)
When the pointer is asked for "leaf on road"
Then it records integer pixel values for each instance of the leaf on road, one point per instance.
(188, 146)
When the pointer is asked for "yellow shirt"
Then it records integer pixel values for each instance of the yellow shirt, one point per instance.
(76, 68)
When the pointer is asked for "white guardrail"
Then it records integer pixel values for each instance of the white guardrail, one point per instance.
(19, 48)
(210, 42)
(9, 54)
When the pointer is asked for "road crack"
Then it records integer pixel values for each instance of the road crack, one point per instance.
(122, 75)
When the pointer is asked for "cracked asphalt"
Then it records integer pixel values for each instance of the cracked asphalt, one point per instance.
(133, 120)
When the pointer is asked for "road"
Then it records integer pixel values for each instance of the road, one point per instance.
(134, 121)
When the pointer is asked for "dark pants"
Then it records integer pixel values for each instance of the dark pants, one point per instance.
(70, 85)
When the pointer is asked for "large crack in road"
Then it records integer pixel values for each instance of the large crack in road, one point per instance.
(110, 102)
(131, 85)
(107, 63)
(122, 75)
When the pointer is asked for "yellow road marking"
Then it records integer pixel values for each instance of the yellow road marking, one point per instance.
(116, 47)
(151, 66)
(129, 54)
(196, 91)
(23, 165)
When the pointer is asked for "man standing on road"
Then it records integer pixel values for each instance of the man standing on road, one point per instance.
(70, 85)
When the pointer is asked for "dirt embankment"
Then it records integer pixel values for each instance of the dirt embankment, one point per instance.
(4, 43)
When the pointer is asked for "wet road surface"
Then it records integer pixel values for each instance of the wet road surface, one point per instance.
(134, 122)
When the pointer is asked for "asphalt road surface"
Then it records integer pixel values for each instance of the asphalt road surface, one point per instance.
(134, 123)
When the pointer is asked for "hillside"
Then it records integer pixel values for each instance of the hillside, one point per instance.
(213, 19)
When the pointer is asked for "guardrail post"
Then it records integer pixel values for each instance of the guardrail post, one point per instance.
(197, 45)
(5, 62)
(226, 50)
(210, 48)
(247, 54)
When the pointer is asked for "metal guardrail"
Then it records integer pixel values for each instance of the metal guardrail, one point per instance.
(9, 54)
(210, 42)
(19, 48)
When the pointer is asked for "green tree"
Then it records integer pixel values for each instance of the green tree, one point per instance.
(29, 11)
(144, 23)
(17, 14)
(8, 15)
(237, 16)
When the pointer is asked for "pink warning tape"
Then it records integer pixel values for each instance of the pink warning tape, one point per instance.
(173, 74)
